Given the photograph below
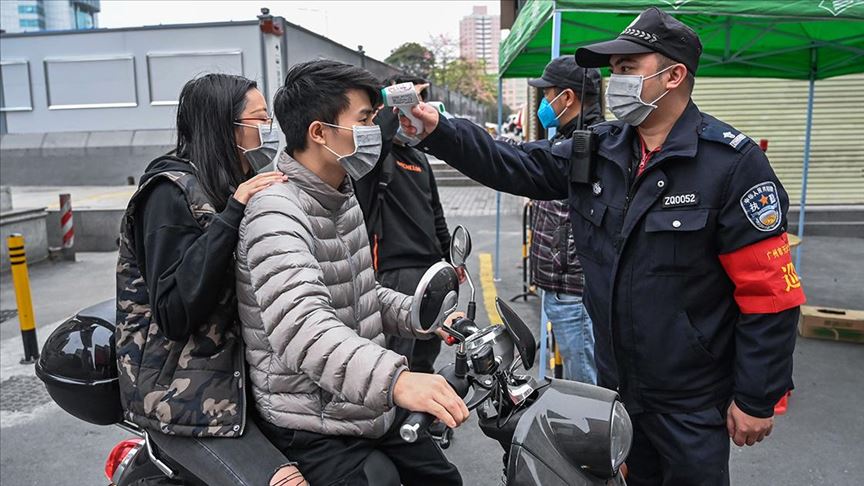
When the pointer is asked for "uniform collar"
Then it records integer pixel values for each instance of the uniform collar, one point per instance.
(566, 130)
(592, 116)
(682, 141)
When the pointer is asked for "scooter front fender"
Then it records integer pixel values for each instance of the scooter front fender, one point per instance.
(528, 470)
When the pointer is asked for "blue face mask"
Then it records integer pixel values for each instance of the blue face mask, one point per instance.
(546, 114)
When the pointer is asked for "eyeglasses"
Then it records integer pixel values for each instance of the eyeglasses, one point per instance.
(268, 121)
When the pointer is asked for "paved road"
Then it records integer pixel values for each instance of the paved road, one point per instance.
(817, 442)
(457, 201)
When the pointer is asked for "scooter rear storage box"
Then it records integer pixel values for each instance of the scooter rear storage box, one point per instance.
(79, 368)
(832, 324)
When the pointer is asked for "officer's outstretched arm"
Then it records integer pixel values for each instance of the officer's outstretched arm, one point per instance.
(754, 251)
(538, 170)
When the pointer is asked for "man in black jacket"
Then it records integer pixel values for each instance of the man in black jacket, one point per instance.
(405, 222)
(570, 102)
(681, 230)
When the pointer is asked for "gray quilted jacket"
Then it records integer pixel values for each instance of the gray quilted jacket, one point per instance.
(313, 316)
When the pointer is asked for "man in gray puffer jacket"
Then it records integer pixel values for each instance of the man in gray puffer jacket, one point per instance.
(325, 387)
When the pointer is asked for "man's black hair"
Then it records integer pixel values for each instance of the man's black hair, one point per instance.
(664, 62)
(318, 91)
(589, 99)
(408, 78)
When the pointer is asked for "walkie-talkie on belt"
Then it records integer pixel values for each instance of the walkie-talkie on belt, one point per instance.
(584, 143)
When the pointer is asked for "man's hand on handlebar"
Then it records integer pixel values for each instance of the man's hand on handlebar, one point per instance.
(422, 392)
(425, 113)
(448, 322)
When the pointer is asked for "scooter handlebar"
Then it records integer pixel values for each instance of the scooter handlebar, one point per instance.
(419, 422)
(414, 425)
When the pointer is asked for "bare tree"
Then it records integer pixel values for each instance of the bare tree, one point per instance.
(445, 50)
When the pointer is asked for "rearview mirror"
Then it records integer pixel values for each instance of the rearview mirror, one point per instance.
(436, 297)
(522, 337)
(460, 246)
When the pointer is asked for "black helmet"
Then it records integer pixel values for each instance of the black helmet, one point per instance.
(79, 367)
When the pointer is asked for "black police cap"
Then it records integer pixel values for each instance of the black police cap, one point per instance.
(652, 31)
(563, 72)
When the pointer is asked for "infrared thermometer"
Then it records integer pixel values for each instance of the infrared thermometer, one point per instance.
(404, 97)
(412, 141)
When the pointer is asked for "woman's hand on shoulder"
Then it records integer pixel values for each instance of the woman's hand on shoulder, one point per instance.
(256, 184)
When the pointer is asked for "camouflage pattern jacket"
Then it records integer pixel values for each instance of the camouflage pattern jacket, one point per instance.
(190, 388)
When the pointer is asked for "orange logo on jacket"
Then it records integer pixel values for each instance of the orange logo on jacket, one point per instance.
(411, 167)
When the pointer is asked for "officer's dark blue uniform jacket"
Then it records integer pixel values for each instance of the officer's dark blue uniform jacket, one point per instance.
(655, 286)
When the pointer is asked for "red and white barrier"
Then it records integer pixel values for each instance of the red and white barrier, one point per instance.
(67, 228)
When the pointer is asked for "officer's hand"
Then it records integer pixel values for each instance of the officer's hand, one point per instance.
(746, 429)
(422, 392)
(426, 114)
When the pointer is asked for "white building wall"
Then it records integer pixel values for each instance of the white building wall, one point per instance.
(9, 17)
(58, 15)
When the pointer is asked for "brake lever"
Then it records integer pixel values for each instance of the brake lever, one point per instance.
(465, 326)
(454, 336)
(460, 330)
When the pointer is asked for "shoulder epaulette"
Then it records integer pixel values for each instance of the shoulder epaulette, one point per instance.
(716, 131)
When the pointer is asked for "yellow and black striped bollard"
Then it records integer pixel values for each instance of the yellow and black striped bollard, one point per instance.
(556, 361)
(21, 281)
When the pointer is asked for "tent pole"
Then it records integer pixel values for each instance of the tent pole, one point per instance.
(496, 274)
(802, 207)
(556, 34)
(556, 52)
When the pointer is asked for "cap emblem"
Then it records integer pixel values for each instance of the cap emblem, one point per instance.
(676, 4)
(640, 34)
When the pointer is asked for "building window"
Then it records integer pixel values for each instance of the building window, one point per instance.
(31, 9)
(32, 24)
(83, 19)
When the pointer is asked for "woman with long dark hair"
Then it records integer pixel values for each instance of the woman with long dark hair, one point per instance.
(179, 347)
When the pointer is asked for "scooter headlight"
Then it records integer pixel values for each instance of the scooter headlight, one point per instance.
(620, 435)
(585, 425)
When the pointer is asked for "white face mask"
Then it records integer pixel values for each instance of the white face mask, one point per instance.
(367, 149)
(624, 97)
(261, 157)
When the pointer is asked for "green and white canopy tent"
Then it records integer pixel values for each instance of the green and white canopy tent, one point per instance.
(791, 39)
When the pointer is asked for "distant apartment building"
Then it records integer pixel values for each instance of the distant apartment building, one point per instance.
(40, 15)
(514, 93)
(479, 37)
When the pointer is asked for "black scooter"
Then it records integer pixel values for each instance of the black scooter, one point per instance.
(553, 432)
(79, 368)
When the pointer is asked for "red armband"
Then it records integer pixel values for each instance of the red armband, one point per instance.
(765, 279)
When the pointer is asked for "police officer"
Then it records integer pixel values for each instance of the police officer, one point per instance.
(681, 230)
(570, 101)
